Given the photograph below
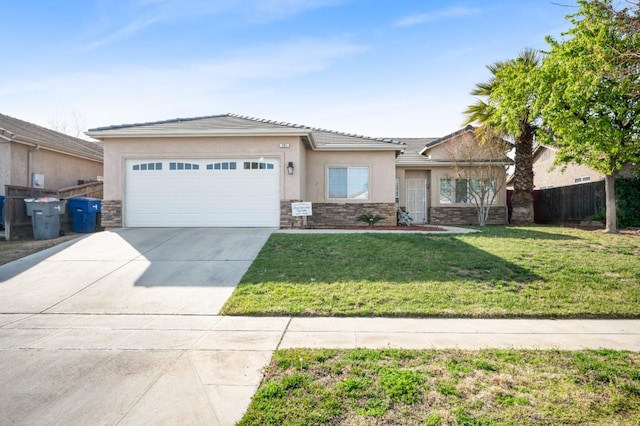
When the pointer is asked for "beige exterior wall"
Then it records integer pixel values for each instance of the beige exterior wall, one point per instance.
(5, 165)
(381, 174)
(59, 170)
(116, 151)
(546, 176)
(62, 171)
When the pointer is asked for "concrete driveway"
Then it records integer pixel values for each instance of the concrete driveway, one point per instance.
(121, 328)
(133, 271)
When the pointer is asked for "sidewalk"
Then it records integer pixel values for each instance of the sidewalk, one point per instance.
(190, 369)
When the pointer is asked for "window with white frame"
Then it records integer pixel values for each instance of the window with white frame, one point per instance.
(465, 191)
(446, 191)
(349, 182)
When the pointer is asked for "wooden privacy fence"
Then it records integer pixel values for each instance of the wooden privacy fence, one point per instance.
(569, 203)
(16, 222)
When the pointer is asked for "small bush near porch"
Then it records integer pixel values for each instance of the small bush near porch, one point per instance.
(500, 272)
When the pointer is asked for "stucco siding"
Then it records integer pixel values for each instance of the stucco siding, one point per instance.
(62, 171)
(118, 150)
(5, 165)
(59, 170)
(381, 174)
(546, 175)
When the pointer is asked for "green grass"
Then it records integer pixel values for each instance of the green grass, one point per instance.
(500, 272)
(488, 387)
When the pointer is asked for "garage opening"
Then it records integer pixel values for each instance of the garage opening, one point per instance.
(202, 193)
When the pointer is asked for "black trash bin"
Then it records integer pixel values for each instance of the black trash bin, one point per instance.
(45, 216)
(84, 211)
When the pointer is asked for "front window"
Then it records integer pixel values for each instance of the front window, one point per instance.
(465, 191)
(349, 182)
(461, 191)
(446, 191)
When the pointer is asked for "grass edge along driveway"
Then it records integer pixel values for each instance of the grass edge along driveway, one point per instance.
(545, 272)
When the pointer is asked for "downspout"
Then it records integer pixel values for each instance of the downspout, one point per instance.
(30, 164)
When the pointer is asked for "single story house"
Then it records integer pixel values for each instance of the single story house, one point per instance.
(432, 177)
(33, 156)
(236, 171)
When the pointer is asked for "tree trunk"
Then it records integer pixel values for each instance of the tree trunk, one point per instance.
(522, 198)
(611, 206)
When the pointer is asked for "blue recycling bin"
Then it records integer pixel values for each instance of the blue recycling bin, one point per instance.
(84, 211)
(1, 207)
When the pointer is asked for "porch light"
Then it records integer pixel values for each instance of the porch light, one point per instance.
(290, 167)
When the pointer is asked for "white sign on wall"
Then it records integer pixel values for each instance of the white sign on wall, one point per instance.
(301, 208)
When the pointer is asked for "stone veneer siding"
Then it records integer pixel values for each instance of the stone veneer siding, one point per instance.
(465, 216)
(334, 215)
(111, 213)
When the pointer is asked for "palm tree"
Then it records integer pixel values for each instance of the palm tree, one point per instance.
(505, 107)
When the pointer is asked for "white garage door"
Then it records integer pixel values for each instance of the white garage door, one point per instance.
(207, 193)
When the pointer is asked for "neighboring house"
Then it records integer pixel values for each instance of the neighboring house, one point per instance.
(546, 175)
(33, 156)
(235, 171)
(431, 186)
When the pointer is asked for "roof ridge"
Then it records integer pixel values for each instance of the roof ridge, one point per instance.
(255, 119)
(150, 123)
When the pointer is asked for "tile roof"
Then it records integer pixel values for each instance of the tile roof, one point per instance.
(13, 128)
(443, 139)
(234, 123)
(411, 155)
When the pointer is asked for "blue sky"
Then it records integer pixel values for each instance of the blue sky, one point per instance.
(374, 67)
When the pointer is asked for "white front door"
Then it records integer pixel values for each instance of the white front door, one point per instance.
(202, 193)
(417, 199)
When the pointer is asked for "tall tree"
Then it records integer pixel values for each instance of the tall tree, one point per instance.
(505, 106)
(626, 20)
(587, 97)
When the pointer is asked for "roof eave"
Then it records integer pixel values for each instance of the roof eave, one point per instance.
(452, 163)
(23, 140)
(359, 147)
(123, 133)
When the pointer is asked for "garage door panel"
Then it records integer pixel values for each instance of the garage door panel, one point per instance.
(202, 197)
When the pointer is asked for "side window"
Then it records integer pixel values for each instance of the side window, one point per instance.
(461, 191)
(446, 191)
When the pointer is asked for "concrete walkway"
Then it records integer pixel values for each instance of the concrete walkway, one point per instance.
(194, 369)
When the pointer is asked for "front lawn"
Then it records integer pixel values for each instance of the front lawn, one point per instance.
(488, 387)
(500, 272)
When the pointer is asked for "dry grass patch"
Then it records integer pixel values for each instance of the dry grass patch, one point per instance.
(451, 387)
